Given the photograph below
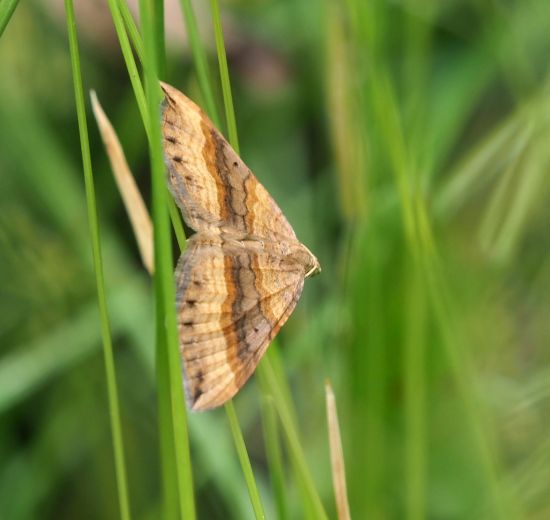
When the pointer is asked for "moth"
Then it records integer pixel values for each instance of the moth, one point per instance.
(242, 272)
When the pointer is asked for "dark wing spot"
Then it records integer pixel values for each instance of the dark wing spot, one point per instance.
(171, 139)
(235, 164)
(187, 323)
(176, 158)
(191, 303)
(197, 392)
(200, 376)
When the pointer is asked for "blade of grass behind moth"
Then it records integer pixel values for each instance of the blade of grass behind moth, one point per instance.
(336, 456)
(199, 57)
(224, 77)
(278, 396)
(175, 217)
(131, 28)
(233, 139)
(110, 373)
(281, 399)
(122, 17)
(135, 207)
(245, 460)
(293, 441)
(6, 11)
(160, 46)
(168, 456)
(168, 345)
(199, 60)
(274, 453)
(133, 72)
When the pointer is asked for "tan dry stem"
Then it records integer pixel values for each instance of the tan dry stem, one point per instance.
(336, 456)
(133, 202)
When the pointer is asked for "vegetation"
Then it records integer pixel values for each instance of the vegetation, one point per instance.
(406, 142)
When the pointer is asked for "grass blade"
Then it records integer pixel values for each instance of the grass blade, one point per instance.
(199, 57)
(114, 411)
(245, 461)
(169, 470)
(286, 417)
(122, 17)
(224, 77)
(133, 202)
(175, 217)
(293, 441)
(533, 167)
(274, 454)
(415, 398)
(133, 72)
(160, 45)
(170, 382)
(131, 29)
(6, 11)
(199, 60)
(145, 239)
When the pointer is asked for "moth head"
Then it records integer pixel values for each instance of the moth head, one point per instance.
(312, 265)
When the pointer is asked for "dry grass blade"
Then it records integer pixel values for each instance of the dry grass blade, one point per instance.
(336, 456)
(135, 207)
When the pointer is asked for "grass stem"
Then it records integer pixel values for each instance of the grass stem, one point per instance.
(169, 372)
(114, 407)
(7, 9)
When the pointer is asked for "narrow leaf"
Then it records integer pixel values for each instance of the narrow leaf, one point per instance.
(133, 202)
(336, 456)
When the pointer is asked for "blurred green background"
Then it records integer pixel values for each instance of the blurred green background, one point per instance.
(408, 143)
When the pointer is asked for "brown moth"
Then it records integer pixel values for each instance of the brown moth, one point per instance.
(243, 270)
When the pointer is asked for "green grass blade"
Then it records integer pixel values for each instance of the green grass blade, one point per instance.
(6, 11)
(274, 454)
(167, 451)
(502, 503)
(199, 57)
(169, 458)
(160, 45)
(168, 464)
(122, 17)
(175, 217)
(199, 60)
(133, 72)
(114, 411)
(293, 440)
(224, 77)
(415, 398)
(530, 183)
(245, 461)
(131, 29)
(164, 287)
(286, 415)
